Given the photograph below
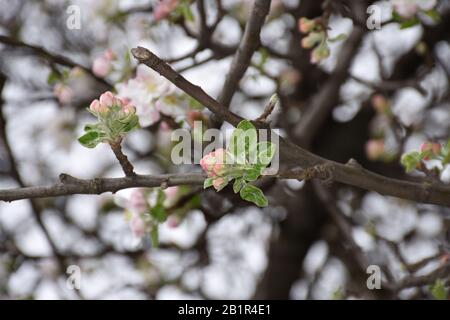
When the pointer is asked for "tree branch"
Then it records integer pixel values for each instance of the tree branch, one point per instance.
(69, 185)
(54, 58)
(249, 43)
(290, 154)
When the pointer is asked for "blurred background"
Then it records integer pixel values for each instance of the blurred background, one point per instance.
(384, 92)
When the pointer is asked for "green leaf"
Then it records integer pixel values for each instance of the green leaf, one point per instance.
(154, 236)
(91, 139)
(238, 184)
(339, 37)
(207, 183)
(266, 151)
(409, 23)
(438, 290)
(52, 78)
(253, 173)
(242, 138)
(253, 194)
(245, 125)
(411, 160)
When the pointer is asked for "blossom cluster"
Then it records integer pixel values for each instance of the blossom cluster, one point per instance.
(315, 38)
(152, 96)
(214, 166)
(145, 209)
(115, 116)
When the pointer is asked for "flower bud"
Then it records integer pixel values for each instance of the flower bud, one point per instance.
(306, 25)
(107, 99)
(432, 147)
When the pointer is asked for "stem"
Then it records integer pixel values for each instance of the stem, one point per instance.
(127, 167)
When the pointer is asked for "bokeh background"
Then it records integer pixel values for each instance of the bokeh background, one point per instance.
(306, 244)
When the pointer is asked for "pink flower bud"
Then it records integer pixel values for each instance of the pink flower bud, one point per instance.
(107, 99)
(128, 108)
(101, 67)
(217, 183)
(305, 25)
(207, 163)
(431, 147)
(95, 106)
(374, 149)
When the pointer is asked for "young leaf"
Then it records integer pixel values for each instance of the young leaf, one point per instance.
(253, 173)
(339, 37)
(91, 139)
(207, 183)
(238, 184)
(410, 160)
(266, 151)
(241, 140)
(253, 194)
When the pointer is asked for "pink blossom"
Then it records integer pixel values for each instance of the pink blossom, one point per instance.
(102, 65)
(137, 226)
(163, 8)
(108, 99)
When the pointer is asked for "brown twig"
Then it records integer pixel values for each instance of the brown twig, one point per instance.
(126, 165)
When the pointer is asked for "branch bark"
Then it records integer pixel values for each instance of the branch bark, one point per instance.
(249, 43)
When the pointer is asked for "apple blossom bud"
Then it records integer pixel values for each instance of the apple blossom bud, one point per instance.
(306, 25)
(218, 182)
(431, 147)
(95, 106)
(107, 99)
